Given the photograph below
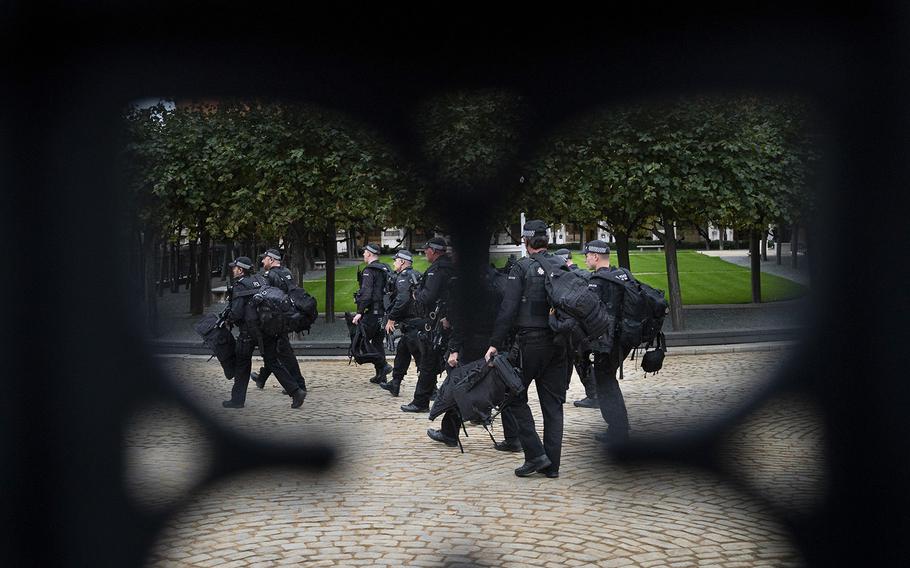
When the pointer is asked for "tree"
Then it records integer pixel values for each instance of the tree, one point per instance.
(470, 141)
(320, 170)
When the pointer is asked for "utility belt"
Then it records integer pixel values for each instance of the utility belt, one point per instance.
(413, 324)
(535, 333)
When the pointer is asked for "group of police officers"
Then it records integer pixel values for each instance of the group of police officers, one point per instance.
(441, 328)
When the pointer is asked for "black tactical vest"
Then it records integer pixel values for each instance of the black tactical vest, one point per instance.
(280, 277)
(534, 309)
(381, 275)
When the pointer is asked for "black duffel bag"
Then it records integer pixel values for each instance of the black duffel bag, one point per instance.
(220, 340)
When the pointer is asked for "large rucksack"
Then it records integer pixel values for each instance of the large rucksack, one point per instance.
(569, 295)
(281, 312)
(642, 312)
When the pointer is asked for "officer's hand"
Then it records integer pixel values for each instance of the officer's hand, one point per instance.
(445, 323)
(453, 359)
(491, 352)
(390, 326)
(356, 319)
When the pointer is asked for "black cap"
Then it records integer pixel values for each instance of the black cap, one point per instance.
(373, 248)
(404, 255)
(273, 253)
(534, 228)
(598, 246)
(436, 243)
(242, 262)
(563, 253)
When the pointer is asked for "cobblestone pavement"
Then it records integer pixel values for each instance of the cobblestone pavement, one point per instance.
(397, 498)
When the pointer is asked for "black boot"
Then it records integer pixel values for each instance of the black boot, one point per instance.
(533, 465)
(298, 397)
(231, 404)
(393, 386)
(440, 437)
(255, 378)
(587, 402)
(508, 446)
(380, 376)
(414, 408)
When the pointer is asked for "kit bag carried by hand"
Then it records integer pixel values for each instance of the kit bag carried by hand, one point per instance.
(219, 339)
(361, 350)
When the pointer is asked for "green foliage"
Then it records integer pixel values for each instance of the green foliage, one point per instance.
(739, 161)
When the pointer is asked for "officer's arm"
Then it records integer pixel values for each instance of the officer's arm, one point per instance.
(365, 294)
(508, 309)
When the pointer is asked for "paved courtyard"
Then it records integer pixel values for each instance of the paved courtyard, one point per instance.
(396, 498)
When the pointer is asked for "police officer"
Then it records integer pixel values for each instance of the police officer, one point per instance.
(609, 395)
(431, 295)
(402, 312)
(472, 314)
(541, 359)
(581, 356)
(243, 315)
(370, 308)
(279, 277)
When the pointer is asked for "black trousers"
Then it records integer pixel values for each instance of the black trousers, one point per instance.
(243, 365)
(545, 363)
(609, 395)
(583, 367)
(429, 369)
(288, 359)
(408, 348)
(274, 363)
(374, 333)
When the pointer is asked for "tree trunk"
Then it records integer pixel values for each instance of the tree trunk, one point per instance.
(164, 267)
(349, 243)
(191, 269)
(150, 276)
(755, 262)
(330, 253)
(777, 246)
(225, 259)
(675, 293)
(175, 268)
(794, 245)
(207, 274)
(581, 236)
(622, 250)
(764, 246)
(720, 241)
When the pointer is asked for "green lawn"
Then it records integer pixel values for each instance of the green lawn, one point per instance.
(703, 279)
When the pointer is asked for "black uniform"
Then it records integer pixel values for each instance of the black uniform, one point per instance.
(609, 395)
(369, 299)
(281, 277)
(540, 358)
(432, 294)
(243, 315)
(402, 310)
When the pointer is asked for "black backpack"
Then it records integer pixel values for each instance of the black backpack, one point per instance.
(643, 309)
(283, 312)
(642, 316)
(569, 295)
